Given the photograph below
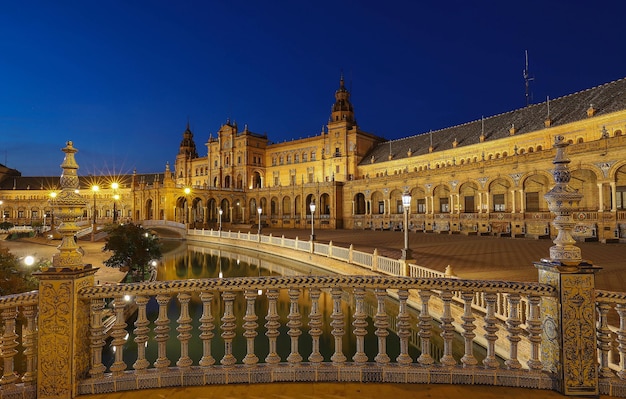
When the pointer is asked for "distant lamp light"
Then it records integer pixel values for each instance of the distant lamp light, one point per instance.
(312, 209)
(406, 204)
(29, 260)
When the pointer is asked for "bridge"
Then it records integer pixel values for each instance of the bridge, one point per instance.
(166, 228)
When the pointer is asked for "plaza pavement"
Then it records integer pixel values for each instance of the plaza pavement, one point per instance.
(474, 257)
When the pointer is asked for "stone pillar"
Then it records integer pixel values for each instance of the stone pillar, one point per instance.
(568, 339)
(63, 345)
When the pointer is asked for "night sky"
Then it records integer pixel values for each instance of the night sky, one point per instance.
(122, 78)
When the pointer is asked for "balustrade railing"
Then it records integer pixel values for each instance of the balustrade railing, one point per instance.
(221, 323)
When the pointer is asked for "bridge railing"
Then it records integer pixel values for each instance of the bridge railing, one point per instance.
(230, 319)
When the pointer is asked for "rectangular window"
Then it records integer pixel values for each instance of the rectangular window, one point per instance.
(381, 207)
(34, 215)
(304, 157)
(20, 214)
(498, 203)
(310, 177)
(313, 156)
(532, 202)
(276, 180)
(444, 205)
(421, 205)
(399, 207)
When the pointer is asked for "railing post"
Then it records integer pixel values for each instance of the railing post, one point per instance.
(375, 260)
(568, 339)
(62, 347)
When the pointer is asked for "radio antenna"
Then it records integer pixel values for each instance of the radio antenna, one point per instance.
(527, 80)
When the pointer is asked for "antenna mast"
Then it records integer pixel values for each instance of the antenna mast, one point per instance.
(527, 79)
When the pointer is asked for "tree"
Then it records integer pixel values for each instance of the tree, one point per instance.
(14, 278)
(133, 247)
(6, 225)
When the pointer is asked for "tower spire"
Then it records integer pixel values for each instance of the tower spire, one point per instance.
(342, 110)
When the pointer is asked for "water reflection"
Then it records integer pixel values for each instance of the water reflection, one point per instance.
(195, 262)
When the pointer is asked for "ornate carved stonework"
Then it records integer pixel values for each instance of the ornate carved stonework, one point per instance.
(68, 207)
(562, 201)
(580, 369)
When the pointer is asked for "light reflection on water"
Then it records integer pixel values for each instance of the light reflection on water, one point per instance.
(195, 262)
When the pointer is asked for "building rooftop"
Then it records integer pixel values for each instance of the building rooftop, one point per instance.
(599, 100)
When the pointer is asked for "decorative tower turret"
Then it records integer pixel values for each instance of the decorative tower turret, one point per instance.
(187, 145)
(342, 110)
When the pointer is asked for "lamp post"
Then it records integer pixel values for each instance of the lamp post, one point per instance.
(186, 212)
(312, 209)
(116, 197)
(406, 204)
(94, 228)
(259, 210)
(43, 230)
(220, 211)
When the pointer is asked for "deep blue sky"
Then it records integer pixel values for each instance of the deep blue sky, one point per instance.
(121, 78)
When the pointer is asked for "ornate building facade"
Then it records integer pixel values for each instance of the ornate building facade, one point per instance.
(483, 177)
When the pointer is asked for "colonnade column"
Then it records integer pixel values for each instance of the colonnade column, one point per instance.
(613, 197)
(512, 201)
(600, 198)
(522, 201)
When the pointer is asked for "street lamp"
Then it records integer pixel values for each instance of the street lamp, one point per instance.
(116, 197)
(259, 210)
(220, 211)
(406, 204)
(312, 209)
(186, 212)
(94, 228)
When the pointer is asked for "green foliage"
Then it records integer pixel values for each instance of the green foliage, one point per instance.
(14, 276)
(6, 225)
(133, 247)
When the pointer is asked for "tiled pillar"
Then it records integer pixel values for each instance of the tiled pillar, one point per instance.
(63, 322)
(569, 339)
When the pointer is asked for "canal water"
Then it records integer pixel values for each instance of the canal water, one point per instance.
(205, 261)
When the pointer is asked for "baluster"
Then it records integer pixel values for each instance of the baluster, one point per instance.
(468, 318)
(338, 325)
(381, 322)
(272, 325)
(447, 329)
(425, 358)
(294, 324)
(404, 329)
(250, 325)
(161, 332)
(30, 336)
(184, 330)
(513, 322)
(96, 338)
(621, 338)
(228, 328)
(315, 326)
(119, 336)
(534, 331)
(141, 333)
(206, 328)
(604, 339)
(9, 344)
(491, 329)
(360, 327)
